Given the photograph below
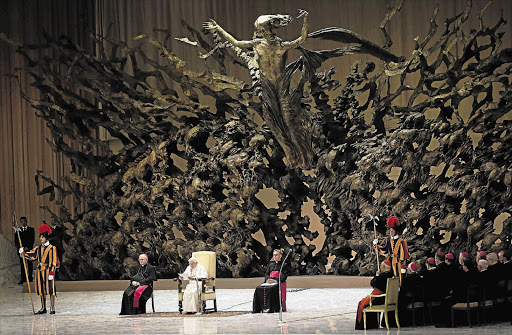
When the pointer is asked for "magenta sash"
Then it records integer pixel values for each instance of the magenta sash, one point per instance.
(136, 296)
(277, 274)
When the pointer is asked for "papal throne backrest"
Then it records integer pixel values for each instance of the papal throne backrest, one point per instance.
(208, 259)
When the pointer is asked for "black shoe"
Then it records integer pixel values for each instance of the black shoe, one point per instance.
(52, 312)
(30, 279)
(21, 282)
(42, 311)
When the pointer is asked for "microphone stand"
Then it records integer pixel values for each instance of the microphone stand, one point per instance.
(280, 294)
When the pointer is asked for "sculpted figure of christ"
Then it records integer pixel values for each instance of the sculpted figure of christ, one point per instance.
(282, 110)
(269, 48)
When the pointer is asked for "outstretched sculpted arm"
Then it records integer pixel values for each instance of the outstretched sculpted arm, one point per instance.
(212, 25)
(305, 30)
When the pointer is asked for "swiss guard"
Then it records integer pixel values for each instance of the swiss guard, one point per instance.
(393, 247)
(46, 257)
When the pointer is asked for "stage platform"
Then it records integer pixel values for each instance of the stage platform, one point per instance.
(310, 311)
(221, 283)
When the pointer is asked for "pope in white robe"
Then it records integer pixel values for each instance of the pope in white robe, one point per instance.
(191, 303)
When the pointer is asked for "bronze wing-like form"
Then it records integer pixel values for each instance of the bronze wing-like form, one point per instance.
(346, 36)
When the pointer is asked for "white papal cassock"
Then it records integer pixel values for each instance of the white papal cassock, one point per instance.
(190, 295)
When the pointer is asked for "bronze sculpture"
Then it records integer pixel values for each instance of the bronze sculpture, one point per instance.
(282, 110)
(140, 199)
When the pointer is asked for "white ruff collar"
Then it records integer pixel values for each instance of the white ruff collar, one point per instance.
(47, 243)
(394, 237)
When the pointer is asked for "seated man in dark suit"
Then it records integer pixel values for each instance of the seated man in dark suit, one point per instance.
(430, 276)
(411, 291)
(452, 273)
(449, 259)
(480, 255)
(495, 267)
(468, 276)
(440, 261)
(495, 281)
(504, 257)
(435, 285)
(140, 289)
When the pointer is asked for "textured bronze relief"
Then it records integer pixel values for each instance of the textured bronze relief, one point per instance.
(186, 175)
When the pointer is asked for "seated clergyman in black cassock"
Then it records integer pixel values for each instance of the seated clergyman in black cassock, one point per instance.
(379, 284)
(140, 289)
(468, 276)
(266, 296)
(411, 291)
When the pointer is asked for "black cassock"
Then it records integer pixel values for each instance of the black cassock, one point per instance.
(267, 297)
(145, 275)
(411, 291)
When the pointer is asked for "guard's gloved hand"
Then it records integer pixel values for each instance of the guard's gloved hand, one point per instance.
(375, 241)
(21, 250)
(50, 277)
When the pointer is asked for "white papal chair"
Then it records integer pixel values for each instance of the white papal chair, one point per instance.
(208, 259)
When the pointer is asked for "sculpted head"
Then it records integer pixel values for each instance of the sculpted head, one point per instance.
(268, 22)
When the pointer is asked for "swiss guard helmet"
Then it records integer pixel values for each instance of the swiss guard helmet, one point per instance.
(45, 230)
(395, 224)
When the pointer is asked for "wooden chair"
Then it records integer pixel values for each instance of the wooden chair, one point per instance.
(432, 298)
(415, 297)
(498, 295)
(473, 302)
(508, 299)
(152, 295)
(208, 259)
(390, 303)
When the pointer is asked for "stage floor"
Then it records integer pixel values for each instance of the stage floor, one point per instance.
(310, 311)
